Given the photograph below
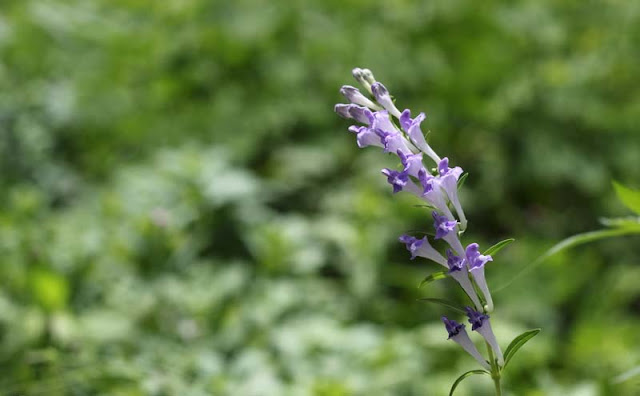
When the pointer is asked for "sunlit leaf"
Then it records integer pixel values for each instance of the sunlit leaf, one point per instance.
(433, 277)
(569, 243)
(498, 246)
(463, 376)
(462, 179)
(621, 222)
(630, 198)
(517, 343)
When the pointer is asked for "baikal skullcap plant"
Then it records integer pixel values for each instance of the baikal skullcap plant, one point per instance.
(430, 178)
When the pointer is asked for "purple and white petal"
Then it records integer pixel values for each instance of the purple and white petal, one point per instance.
(394, 143)
(412, 127)
(361, 114)
(457, 270)
(366, 136)
(433, 194)
(449, 182)
(397, 179)
(480, 323)
(342, 110)
(382, 122)
(458, 334)
(422, 248)
(412, 163)
(448, 230)
(354, 96)
(476, 262)
(382, 96)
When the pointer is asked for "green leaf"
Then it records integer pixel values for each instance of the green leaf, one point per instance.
(462, 179)
(498, 246)
(630, 198)
(568, 243)
(621, 222)
(444, 303)
(463, 376)
(433, 277)
(517, 343)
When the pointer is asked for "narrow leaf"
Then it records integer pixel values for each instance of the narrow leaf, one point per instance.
(517, 343)
(444, 303)
(627, 375)
(433, 277)
(462, 179)
(630, 198)
(463, 376)
(568, 243)
(498, 246)
(621, 222)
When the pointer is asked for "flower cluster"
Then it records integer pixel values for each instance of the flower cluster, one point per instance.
(384, 126)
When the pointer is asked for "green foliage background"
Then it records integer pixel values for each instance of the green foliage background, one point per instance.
(181, 213)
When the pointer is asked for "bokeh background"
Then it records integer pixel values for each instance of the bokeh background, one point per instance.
(182, 213)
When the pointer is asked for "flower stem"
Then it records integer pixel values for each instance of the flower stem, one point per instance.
(495, 371)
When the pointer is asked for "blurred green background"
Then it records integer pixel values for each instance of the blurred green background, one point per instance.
(182, 213)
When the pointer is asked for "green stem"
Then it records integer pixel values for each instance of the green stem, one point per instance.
(495, 371)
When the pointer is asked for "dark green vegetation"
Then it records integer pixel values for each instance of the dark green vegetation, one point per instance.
(181, 213)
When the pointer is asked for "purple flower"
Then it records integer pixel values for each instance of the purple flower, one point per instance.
(480, 323)
(358, 113)
(382, 96)
(361, 114)
(476, 262)
(449, 182)
(412, 162)
(422, 248)
(458, 334)
(393, 142)
(342, 110)
(382, 122)
(365, 136)
(456, 264)
(443, 225)
(433, 194)
(412, 127)
(447, 229)
(354, 95)
(397, 179)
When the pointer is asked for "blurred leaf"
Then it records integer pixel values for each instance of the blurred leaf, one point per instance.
(462, 179)
(444, 303)
(433, 277)
(49, 289)
(517, 343)
(621, 222)
(630, 198)
(627, 375)
(463, 376)
(568, 243)
(498, 246)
